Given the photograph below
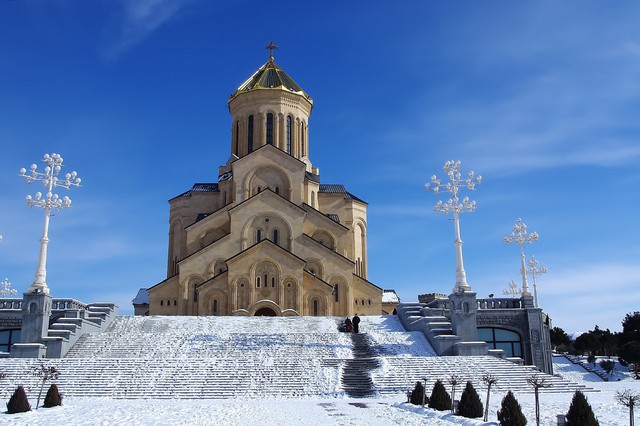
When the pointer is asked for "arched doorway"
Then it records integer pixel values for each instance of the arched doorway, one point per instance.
(265, 312)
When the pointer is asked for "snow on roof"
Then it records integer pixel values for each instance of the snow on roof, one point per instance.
(390, 296)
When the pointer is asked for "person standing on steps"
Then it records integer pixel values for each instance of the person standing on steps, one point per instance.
(348, 325)
(356, 323)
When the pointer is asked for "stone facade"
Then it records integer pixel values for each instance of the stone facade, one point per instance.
(267, 238)
(507, 327)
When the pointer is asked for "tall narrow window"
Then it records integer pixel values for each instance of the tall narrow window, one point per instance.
(270, 129)
(215, 307)
(315, 307)
(235, 151)
(250, 135)
(257, 281)
(288, 135)
(335, 293)
(258, 236)
(275, 236)
(273, 281)
(302, 147)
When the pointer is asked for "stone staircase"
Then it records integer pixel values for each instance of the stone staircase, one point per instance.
(356, 374)
(258, 357)
(598, 371)
(436, 327)
(76, 321)
(396, 372)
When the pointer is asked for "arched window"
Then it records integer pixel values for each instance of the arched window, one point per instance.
(273, 282)
(302, 147)
(257, 281)
(499, 338)
(258, 235)
(235, 151)
(250, 135)
(215, 307)
(315, 307)
(270, 129)
(336, 292)
(162, 303)
(288, 135)
(275, 236)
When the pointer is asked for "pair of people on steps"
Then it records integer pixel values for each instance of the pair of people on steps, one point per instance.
(352, 326)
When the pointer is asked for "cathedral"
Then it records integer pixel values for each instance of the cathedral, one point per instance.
(268, 238)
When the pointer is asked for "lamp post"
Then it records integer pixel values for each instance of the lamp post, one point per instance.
(519, 236)
(452, 169)
(47, 201)
(534, 270)
(5, 288)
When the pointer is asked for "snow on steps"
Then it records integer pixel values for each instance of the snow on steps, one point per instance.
(251, 357)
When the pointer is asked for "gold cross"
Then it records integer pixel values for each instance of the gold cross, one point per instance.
(271, 46)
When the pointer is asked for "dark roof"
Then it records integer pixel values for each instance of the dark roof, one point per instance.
(199, 187)
(142, 298)
(334, 217)
(270, 76)
(312, 177)
(338, 189)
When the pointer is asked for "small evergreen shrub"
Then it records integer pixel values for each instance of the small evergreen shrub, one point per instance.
(439, 399)
(608, 365)
(417, 394)
(53, 397)
(591, 359)
(18, 403)
(510, 413)
(580, 412)
(470, 405)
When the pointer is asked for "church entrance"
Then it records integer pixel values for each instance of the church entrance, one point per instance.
(265, 312)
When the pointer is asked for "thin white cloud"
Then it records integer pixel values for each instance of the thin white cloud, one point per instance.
(140, 19)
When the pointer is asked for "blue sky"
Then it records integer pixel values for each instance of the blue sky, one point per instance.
(540, 98)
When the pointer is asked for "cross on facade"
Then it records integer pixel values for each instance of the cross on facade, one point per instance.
(271, 47)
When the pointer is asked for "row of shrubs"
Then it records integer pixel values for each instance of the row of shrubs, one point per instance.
(19, 403)
(510, 413)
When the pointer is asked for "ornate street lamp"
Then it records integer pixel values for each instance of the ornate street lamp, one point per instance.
(452, 169)
(534, 270)
(519, 236)
(5, 288)
(512, 289)
(47, 201)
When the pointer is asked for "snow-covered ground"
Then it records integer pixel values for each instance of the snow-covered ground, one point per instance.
(369, 412)
(310, 411)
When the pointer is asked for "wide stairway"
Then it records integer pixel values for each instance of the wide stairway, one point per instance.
(258, 357)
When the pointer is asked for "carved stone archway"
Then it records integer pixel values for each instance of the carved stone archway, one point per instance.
(265, 312)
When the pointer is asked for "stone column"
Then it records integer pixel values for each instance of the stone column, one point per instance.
(36, 311)
(464, 307)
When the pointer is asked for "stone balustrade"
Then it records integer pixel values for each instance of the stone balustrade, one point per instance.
(500, 303)
(10, 304)
(56, 304)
